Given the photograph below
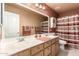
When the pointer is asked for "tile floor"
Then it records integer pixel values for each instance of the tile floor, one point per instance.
(69, 52)
(73, 52)
(63, 52)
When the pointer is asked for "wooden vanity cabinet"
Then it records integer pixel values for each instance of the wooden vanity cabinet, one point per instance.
(36, 49)
(53, 50)
(23, 53)
(57, 48)
(47, 44)
(49, 48)
(39, 53)
(47, 51)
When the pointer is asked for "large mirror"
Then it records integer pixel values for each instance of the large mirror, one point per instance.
(20, 21)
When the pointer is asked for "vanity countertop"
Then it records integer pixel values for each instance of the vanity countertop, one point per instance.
(11, 46)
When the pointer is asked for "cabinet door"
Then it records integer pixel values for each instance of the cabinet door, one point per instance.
(57, 48)
(47, 51)
(39, 54)
(53, 50)
(46, 44)
(36, 49)
(23, 53)
(53, 41)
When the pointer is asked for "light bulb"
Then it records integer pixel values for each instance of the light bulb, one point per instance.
(43, 7)
(40, 6)
(37, 4)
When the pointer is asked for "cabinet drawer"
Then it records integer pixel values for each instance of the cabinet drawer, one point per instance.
(36, 49)
(39, 54)
(46, 44)
(47, 51)
(23, 53)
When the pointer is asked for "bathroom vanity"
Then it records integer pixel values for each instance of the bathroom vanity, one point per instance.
(48, 48)
(28, 45)
(33, 47)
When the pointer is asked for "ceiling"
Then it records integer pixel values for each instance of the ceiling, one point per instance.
(62, 7)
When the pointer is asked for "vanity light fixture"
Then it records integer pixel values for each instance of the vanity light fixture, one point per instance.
(40, 5)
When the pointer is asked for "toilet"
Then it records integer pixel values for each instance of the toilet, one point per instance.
(62, 44)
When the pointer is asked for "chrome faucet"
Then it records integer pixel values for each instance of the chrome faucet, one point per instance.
(20, 39)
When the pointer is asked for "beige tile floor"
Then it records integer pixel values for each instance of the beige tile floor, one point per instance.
(63, 52)
(73, 52)
(69, 52)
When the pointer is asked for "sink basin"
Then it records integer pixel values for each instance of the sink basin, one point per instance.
(50, 36)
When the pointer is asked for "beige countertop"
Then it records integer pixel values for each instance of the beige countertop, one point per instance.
(10, 46)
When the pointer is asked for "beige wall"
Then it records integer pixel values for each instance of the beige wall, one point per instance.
(69, 12)
(26, 17)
